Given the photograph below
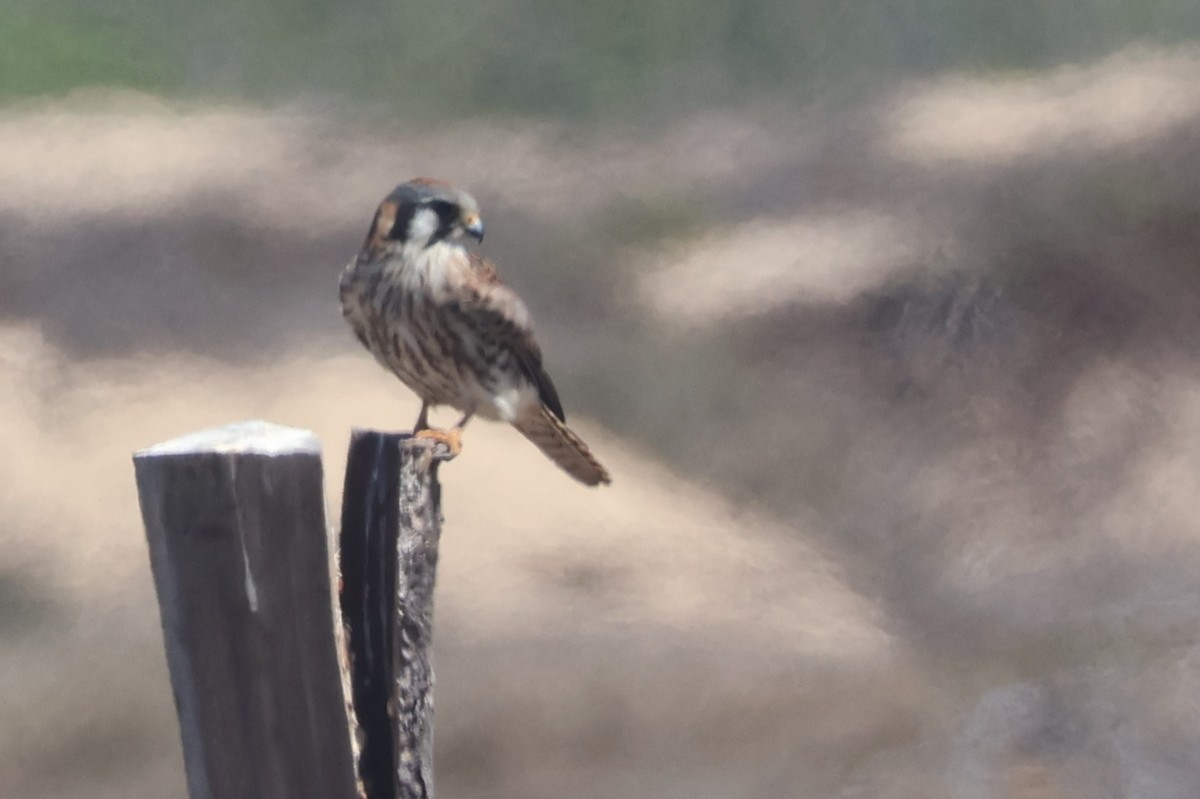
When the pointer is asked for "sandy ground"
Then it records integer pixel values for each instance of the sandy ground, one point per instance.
(901, 403)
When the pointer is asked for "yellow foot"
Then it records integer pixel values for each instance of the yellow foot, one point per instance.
(449, 442)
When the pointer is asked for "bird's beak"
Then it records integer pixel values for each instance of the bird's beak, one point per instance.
(474, 227)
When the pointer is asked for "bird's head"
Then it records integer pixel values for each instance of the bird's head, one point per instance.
(422, 212)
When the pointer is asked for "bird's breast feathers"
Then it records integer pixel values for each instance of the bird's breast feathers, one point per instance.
(419, 311)
(436, 271)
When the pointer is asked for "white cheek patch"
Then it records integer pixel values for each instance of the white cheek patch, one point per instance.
(422, 227)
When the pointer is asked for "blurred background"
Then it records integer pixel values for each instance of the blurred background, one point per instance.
(883, 315)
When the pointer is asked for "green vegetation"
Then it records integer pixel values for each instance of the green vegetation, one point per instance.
(51, 51)
(536, 57)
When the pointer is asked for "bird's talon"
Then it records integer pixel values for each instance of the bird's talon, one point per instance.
(447, 443)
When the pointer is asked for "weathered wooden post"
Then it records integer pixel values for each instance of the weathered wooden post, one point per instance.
(238, 546)
(241, 560)
(391, 523)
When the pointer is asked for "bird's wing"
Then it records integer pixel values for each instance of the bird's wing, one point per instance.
(497, 314)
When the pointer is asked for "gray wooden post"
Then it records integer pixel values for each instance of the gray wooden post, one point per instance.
(239, 549)
(391, 523)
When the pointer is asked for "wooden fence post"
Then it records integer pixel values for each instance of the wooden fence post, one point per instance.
(391, 523)
(240, 553)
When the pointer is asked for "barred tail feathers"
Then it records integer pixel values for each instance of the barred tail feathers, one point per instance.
(563, 446)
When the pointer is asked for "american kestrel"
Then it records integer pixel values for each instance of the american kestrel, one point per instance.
(437, 316)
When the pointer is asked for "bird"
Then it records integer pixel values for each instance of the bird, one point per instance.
(436, 315)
